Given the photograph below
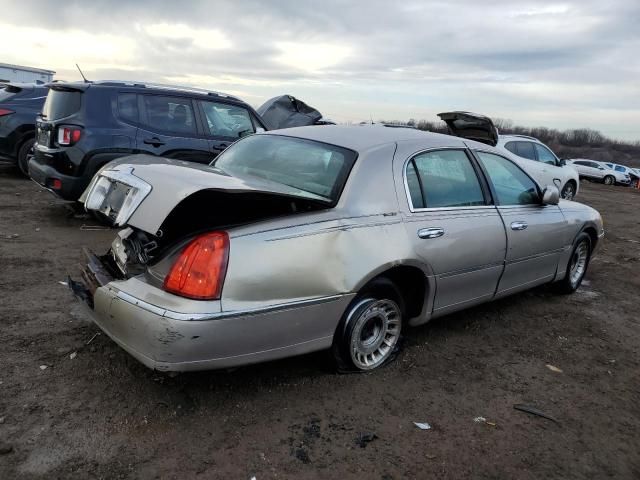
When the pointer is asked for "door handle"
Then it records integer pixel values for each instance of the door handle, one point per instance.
(155, 141)
(433, 232)
(519, 225)
(219, 148)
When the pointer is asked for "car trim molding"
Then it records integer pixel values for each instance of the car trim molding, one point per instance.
(162, 312)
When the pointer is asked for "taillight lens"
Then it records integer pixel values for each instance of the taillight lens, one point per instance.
(68, 135)
(4, 111)
(200, 269)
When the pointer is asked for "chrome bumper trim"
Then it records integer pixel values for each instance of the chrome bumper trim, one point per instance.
(162, 312)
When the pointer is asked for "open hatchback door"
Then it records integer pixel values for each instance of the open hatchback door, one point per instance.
(471, 126)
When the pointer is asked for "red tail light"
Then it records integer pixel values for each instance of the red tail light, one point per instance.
(4, 111)
(68, 135)
(200, 269)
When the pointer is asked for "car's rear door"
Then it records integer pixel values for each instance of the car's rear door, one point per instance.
(169, 127)
(452, 225)
(536, 233)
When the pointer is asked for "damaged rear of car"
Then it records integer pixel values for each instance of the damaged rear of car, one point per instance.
(183, 225)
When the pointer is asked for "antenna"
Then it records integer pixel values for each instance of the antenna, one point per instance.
(371, 118)
(82, 74)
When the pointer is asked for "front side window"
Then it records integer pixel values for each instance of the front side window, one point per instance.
(226, 120)
(584, 164)
(443, 178)
(545, 155)
(511, 185)
(316, 168)
(169, 114)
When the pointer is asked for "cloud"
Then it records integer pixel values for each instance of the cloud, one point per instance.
(566, 63)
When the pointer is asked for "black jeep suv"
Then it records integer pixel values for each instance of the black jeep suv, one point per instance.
(19, 105)
(85, 125)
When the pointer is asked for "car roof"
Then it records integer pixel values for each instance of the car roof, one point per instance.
(364, 137)
(516, 136)
(151, 87)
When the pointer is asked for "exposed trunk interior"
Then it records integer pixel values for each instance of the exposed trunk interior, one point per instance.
(134, 250)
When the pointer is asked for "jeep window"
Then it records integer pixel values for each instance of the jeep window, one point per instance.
(312, 167)
(226, 120)
(128, 107)
(545, 155)
(61, 104)
(169, 114)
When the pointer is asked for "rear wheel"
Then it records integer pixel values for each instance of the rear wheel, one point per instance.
(577, 266)
(24, 155)
(369, 332)
(609, 180)
(569, 190)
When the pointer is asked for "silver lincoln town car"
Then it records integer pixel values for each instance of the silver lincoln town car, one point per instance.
(311, 238)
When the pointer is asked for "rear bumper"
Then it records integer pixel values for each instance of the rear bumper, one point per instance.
(72, 187)
(168, 340)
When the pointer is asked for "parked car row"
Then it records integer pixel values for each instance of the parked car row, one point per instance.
(607, 173)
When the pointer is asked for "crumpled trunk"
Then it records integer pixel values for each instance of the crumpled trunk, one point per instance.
(287, 111)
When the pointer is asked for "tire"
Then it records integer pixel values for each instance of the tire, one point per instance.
(609, 180)
(369, 333)
(577, 265)
(569, 190)
(24, 154)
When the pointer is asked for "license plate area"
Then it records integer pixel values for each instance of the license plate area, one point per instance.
(93, 274)
(44, 136)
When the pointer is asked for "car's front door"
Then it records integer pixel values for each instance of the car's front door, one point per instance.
(536, 233)
(224, 123)
(550, 166)
(453, 227)
(169, 128)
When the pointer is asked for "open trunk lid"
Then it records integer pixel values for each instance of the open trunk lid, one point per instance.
(471, 126)
(149, 189)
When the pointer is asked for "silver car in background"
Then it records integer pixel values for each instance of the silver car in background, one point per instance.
(313, 238)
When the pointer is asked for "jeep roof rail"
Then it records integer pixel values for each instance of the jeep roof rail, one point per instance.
(159, 86)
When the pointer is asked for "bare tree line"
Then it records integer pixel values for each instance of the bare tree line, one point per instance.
(574, 143)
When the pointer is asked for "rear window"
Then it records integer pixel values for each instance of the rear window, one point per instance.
(61, 104)
(309, 166)
(6, 93)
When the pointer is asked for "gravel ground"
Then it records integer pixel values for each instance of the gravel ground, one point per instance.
(94, 412)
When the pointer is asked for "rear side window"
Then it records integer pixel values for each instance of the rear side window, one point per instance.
(225, 120)
(169, 114)
(128, 107)
(620, 169)
(525, 150)
(443, 178)
(61, 104)
(545, 155)
(511, 184)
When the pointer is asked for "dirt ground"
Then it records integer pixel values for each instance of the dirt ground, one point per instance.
(101, 414)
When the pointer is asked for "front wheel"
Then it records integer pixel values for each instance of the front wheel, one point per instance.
(369, 333)
(577, 266)
(569, 190)
(24, 155)
(609, 180)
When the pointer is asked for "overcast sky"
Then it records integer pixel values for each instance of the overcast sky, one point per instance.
(562, 64)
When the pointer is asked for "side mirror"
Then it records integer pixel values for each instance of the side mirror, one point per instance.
(562, 162)
(550, 195)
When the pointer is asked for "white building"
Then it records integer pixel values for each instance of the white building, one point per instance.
(16, 73)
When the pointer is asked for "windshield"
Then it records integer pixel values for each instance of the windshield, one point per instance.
(307, 165)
